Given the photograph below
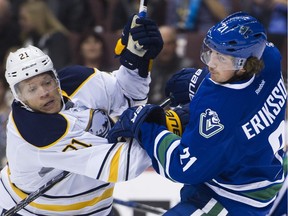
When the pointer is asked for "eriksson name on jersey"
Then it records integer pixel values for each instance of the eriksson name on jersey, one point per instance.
(268, 112)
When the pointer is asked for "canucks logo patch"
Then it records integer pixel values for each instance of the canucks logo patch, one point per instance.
(209, 124)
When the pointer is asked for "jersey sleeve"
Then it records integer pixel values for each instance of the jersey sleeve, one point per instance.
(97, 159)
(112, 92)
(180, 160)
(64, 145)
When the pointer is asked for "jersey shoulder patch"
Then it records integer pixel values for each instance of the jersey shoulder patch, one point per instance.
(72, 77)
(209, 124)
(38, 129)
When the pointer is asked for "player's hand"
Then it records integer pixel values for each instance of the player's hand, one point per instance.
(130, 121)
(182, 86)
(141, 42)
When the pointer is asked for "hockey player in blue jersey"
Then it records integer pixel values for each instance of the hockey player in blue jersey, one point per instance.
(230, 156)
(56, 113)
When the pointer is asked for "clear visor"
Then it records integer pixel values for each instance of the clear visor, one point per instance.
(213, 59)
(32, 91)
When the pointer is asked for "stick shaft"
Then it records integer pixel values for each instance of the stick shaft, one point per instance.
(143, 8)
(142, 13)
(165, 103)
(140, 207)
(31, 197)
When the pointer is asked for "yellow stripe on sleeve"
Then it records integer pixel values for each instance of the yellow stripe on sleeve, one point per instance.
(114, 166)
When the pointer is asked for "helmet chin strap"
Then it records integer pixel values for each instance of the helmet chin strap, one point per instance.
(26, 106)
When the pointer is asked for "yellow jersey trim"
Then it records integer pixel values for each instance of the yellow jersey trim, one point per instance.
(47, 146)
(84, 82)
(113, 176)
(60, 208)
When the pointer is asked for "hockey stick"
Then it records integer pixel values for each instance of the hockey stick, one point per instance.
(143, 8)
(31, 197)
(140, 207)
(142, 13)
(166, 102)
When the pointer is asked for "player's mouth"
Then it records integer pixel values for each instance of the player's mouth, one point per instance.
(213, 72)
(49, 104)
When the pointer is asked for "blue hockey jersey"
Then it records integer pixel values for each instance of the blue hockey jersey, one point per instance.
(233, 144)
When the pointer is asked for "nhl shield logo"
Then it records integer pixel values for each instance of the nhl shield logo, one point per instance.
(209, 124)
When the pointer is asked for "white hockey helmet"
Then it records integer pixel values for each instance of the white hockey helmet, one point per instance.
(26, 63)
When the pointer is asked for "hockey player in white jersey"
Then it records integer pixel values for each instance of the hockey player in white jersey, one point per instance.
(59, 122)
(230, 156)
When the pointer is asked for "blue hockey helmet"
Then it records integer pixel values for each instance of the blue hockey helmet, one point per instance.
(239, 35)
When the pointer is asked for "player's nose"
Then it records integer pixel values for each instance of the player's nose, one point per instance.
(43, 92)
(212, 61)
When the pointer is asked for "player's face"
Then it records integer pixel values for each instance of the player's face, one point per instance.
(221, 67)
(41, 93)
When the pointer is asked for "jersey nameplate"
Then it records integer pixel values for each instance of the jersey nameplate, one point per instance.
(209, 124)
(266, 116)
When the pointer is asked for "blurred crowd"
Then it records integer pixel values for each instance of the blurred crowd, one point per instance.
(85, 32)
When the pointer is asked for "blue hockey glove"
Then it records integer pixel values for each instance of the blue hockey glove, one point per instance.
(182, 86)
(141, 42)
(177, 119)
(131, 120)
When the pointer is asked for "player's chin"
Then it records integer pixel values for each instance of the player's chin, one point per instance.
(214, 77)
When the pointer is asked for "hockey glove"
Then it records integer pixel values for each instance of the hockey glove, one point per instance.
(182, 86)
(141, 42)
(131, 120)
(177, 119)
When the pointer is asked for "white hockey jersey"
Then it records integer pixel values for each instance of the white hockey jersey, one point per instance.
(40, 146)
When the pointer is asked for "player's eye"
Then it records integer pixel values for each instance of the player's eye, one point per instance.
(221, 58)
(32, 89)
(48, 82)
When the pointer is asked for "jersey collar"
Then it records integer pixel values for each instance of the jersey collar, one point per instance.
(237, 85)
